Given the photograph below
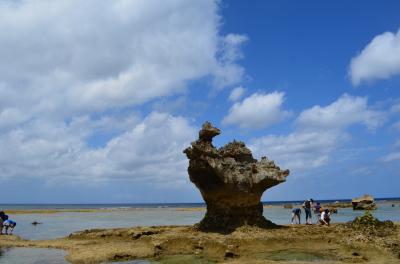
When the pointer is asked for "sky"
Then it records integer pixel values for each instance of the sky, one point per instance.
(98, 99)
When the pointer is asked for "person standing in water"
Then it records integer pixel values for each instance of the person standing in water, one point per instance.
(307, 205)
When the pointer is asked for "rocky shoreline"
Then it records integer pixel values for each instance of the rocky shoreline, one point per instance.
(339, 243)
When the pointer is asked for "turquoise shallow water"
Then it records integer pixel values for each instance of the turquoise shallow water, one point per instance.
(62, 224)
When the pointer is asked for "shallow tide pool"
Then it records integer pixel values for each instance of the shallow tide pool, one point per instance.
(62, 224)
(31, 256)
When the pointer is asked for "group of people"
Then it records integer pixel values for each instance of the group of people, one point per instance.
(323, 215)
(7, 224)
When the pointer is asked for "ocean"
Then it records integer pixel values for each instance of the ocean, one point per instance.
(127, 215)
(61, 224)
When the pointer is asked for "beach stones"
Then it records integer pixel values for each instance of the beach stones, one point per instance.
(231, 182)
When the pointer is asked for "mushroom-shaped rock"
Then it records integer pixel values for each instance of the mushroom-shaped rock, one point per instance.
(231, 182)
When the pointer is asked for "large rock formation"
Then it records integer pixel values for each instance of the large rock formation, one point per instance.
(231, 182)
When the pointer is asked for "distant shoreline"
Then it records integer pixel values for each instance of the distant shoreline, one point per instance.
(94, 208)
(158, 205)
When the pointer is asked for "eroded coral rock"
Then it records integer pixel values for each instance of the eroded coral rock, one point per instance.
(231, 181)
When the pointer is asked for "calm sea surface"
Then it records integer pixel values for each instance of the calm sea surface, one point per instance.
(128, 215)
(125, 215)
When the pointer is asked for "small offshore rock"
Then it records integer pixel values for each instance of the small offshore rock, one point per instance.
(365, 202)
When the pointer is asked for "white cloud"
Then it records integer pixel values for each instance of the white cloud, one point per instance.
(67, 56)
(299, 150)
(150, 150)
(236, 94)
(394, 156)
(232, 44)
(10, 117)
(257, 111)
(345, 111)
(320, 131)
(76, 71)
(227, 72)
(363, 171)
(380, 59)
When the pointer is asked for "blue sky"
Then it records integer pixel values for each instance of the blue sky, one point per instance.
(97, 101)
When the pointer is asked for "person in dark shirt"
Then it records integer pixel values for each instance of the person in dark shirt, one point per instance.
(317, 208)
(296, 212)
(307, 205)
(3, 217)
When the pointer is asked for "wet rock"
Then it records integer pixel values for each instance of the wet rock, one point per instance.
(366, 202)
(143, 233)
(36, 223)
(231, 182)
(371, 226)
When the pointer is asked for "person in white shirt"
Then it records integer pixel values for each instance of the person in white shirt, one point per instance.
(325, 217)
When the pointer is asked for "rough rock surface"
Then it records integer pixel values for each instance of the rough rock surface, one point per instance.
(231, 182)
(365, 202)
(295, 244)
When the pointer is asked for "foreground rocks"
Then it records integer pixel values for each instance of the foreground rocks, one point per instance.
(365, 202)
(338, 243)
(231, 182)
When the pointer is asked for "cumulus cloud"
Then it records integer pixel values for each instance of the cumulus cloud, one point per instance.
(76, 71)
(67, 56)
(320, 131)
(380, 59)
(150, 150)
(257, 111)
(236, 94)
(227, 72)
(345, 111)
(299, 150)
